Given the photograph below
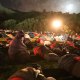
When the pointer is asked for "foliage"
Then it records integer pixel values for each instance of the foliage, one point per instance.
(9, 24)
(39, 21)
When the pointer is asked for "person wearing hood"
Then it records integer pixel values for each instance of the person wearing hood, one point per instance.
(17, 50)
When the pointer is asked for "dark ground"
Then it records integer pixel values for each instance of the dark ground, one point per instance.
(49, 69)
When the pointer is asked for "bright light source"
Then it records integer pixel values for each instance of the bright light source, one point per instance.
(56, 24)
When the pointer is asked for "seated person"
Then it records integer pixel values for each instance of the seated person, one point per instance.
(17, 50)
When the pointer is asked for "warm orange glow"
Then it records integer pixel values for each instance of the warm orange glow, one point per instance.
(56, 24)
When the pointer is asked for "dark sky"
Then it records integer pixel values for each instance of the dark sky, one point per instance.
(72, 6)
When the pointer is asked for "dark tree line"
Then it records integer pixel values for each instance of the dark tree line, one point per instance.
(38, 21)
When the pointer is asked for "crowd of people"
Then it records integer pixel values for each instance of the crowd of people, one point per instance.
(62, 48)
(47, 46)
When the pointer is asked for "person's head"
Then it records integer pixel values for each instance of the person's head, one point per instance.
(34, 65)
(50, 78)
(20, 34)
(34, 69)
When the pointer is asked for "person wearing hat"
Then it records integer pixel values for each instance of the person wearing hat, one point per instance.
(18, 52)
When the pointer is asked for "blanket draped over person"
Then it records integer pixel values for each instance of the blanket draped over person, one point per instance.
(17, 50)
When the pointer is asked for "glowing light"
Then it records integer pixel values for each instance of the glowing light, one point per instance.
(56, 24)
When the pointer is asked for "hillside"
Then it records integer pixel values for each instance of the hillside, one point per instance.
(6, 13)
(6, 10)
